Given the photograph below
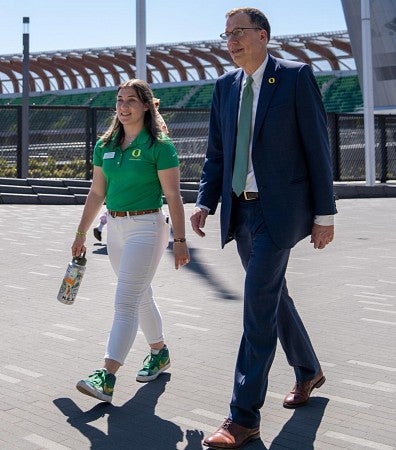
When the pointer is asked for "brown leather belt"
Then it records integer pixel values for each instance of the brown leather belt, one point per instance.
(249, 196)
(132, 213)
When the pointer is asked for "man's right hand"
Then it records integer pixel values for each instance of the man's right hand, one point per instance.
(198, 219)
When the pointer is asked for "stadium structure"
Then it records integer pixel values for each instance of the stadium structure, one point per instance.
(182, 74)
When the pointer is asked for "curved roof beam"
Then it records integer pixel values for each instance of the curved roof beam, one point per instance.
(101, 61)
(129, 60)
(76, 63)
(96, 69)
(190, 59)
(4, 68)
(342, 45)
(172, 61)
(62, 63)
(324, 53)
(210, 58)
(35, 66)
(160, 66)
(47, 65)
(112, 59)
(17, 66)
(222, 54)
(297, 52)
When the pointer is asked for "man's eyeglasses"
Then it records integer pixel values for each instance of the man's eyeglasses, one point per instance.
(237, 33)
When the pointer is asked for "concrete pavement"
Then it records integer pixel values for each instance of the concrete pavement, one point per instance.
(345, 294)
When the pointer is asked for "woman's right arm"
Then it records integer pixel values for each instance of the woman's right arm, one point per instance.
(93, 204)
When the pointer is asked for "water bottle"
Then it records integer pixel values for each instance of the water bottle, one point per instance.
(72, 280)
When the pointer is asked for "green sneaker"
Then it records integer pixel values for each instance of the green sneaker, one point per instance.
(99, 385)
(153, 365)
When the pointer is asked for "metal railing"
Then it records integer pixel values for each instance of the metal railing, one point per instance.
(62, 141)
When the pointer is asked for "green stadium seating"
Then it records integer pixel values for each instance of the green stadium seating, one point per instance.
(104, 99)
(343, 96)
(202, 98)
(172, 96)
(340, 95)
(83, 99)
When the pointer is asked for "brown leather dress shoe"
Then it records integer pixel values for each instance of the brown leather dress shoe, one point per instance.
(299, 395)
(231, 435)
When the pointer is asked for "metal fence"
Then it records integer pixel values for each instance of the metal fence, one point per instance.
(62, 139)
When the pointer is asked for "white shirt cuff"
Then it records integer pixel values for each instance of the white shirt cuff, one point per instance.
(202, 207)
(324, 220)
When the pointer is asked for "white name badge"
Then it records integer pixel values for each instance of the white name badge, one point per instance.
(108, 155)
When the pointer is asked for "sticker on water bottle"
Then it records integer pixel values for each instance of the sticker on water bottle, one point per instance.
(72, 280)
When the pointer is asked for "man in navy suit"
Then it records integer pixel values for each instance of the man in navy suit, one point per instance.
(287, 196)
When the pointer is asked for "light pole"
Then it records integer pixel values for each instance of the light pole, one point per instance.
(141, 60)
(24, 157)
(368, 96)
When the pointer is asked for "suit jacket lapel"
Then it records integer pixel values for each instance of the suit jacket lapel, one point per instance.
(268, 85)
(234, 107)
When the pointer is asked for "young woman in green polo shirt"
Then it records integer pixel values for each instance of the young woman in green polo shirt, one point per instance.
(134, 164)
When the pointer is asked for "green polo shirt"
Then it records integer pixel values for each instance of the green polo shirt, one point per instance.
(132, 182)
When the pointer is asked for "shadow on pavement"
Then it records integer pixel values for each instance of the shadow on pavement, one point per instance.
(299, 432)
(101, 249)
(198, 266)
(133, 425)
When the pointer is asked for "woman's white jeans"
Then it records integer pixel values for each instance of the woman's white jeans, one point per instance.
(135, 246)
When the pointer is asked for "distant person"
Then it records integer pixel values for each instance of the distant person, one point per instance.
(134, 164)
(271, 168)
(97, 231)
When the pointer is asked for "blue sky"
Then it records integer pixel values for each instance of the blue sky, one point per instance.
(77, 24)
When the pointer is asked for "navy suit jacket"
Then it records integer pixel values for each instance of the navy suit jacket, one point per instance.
(290, 151)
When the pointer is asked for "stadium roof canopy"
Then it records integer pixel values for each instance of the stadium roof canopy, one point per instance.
(166, 63)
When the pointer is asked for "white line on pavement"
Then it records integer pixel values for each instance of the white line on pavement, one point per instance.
(379, 295)
(374, 303)
(193, 424)
(67, 327)
(44, 442)
(368, 296)
(15, 287)
(208, 414)
(373, 366)
(378, 386)
(358, 441)
(180, 313)
(387, 311)
(9, 379)
(384, 322)
(190, 327)
(360, 285)
(29, 373)
(59, 336)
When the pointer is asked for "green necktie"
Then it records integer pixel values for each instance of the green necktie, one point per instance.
(243, 139)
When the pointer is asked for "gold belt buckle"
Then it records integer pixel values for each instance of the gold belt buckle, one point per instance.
(254, 197)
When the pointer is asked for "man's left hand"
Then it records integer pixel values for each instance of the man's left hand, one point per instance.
(322, 235)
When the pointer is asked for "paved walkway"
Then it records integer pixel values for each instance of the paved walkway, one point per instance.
(345, 294)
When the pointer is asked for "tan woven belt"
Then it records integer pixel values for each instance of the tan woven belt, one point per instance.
(132, 213)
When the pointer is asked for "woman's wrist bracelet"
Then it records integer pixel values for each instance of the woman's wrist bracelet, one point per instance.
(179, 240)
(81, 233)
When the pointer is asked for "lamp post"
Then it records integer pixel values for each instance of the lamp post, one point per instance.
(368, 96)
(141, 59)
(24, 157)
